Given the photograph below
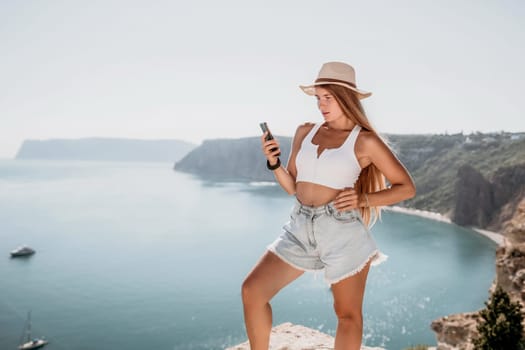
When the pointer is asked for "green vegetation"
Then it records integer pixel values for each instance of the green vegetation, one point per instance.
(434, 160)
(501, 324)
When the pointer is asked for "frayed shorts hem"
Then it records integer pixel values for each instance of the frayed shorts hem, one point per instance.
(280, 256)
(375, 258)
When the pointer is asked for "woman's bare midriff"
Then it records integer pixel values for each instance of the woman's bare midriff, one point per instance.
(311, 194)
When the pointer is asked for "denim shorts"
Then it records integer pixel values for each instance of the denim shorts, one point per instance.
(322, 237)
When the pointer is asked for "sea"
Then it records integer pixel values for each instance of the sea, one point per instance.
(139, 256)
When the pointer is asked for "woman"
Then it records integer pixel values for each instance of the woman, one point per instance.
(337, 172)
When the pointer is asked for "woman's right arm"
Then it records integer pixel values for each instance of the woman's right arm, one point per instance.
(286, 176)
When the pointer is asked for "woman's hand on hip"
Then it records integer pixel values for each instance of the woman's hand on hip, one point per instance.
(347, 199)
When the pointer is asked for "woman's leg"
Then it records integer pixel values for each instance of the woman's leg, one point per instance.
(348, 303)
(269, 276)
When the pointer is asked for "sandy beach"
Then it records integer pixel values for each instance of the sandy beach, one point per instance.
(423, 213)
(496, 237)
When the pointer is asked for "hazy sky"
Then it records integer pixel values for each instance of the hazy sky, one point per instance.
(195, 70)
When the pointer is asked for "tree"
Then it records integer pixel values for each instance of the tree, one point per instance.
(500, 326)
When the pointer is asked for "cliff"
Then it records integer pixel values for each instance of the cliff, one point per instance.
(288, 336)
(474, 202)
(483, 203)
(106, 149)
(231, 159)
(456, 332)
(435, 171)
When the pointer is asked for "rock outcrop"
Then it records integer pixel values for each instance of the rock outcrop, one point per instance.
(488, 204)
(288, 336)
(474, 201)
(456, 332)
(510, 258)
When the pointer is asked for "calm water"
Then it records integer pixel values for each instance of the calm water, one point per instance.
(137, 256)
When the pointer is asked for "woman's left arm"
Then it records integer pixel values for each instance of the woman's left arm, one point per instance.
(376, 152)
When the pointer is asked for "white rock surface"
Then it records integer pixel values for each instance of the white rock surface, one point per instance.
(288, 336)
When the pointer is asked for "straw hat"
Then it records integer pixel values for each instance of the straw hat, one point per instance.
(337, 73)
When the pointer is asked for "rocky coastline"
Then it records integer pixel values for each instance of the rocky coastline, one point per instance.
(456, 332)
(496, 237)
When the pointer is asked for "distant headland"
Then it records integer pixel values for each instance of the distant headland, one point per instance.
(105, 149)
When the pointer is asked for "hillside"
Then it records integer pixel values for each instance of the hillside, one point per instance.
(106, 149)
(433, 160)
(231, 159)
(476, 180)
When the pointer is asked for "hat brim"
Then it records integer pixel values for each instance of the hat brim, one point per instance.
(310, 89)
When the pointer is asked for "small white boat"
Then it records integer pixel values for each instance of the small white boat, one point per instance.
(33, 344)
(29, 343)
(22, 251)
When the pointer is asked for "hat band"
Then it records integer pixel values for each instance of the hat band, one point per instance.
(330, 80)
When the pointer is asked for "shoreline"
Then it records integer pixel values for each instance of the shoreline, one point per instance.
(421, 213)
(496, 237)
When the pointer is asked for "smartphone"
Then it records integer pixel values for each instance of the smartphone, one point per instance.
(269, 136)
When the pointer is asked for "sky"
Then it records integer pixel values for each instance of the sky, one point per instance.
(204, 69)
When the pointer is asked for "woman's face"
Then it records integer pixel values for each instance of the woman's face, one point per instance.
(328, 105)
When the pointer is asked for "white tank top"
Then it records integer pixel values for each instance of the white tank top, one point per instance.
(337, 168)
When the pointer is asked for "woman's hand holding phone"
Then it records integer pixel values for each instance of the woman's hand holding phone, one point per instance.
(270, 146)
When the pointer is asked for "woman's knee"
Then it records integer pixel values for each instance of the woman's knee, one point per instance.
(251, 292)
(349, 315)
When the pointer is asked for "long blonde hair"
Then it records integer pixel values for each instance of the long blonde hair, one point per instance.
(371, 178)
